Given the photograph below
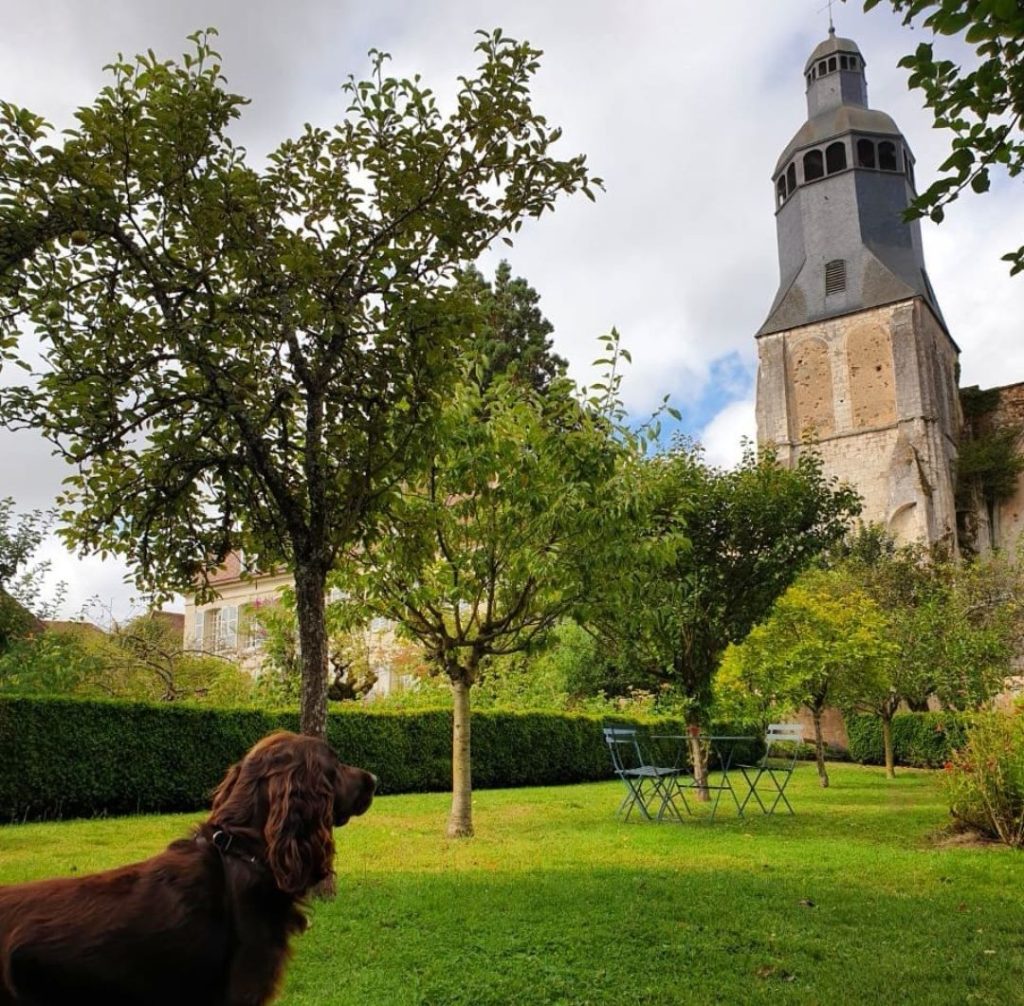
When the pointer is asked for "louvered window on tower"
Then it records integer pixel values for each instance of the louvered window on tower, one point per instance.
(835, 276)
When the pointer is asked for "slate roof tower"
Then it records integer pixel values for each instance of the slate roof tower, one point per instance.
(854, 355)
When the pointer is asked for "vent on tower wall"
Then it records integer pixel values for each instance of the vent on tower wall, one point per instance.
(835, 276)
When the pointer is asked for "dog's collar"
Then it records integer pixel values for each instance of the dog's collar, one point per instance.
(224, 842)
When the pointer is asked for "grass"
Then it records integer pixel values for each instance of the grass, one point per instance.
(854, 900)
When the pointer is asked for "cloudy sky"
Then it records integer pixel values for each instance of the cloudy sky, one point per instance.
(682, 107)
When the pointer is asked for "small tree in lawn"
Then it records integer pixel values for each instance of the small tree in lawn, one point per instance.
(823, 642)
(712, 552)
(481, 557)
(902, 581)
(973, 628)
(242, 357)
(955, 621)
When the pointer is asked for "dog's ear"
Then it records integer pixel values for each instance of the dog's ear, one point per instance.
(300, 816)
(222, 793)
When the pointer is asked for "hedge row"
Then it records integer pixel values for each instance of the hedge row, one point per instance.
(923, 740)
(67, 757)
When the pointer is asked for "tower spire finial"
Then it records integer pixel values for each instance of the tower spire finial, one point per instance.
(828, 7)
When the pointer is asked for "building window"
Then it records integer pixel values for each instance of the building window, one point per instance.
(865, 154)
(197, 631)
(908, 165)
(835, 157)
(227, 629)
(835, 276)
(251, 629)
(887, 156)
(780, 189)
(217, 629)
(831, 64)
(791, 178)
(822, 68)
(813, 165)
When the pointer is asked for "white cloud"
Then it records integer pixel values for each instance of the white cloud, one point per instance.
(96, 588)
(723, 436)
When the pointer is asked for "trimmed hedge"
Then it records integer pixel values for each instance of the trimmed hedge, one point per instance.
(922, 740)
(67, 757)
(63, 757)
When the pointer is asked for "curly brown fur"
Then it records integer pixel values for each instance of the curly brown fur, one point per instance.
(205, 922)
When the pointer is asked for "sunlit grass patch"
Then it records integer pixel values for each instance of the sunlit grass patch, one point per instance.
(556, 901)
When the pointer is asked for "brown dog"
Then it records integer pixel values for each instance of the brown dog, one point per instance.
(207, 921)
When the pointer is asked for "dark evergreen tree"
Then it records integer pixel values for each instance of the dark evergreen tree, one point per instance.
(513, 334)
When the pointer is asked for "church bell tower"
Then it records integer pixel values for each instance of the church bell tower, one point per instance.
(854, 357)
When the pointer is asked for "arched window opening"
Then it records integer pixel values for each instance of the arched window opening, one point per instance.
(835, 276)
(780, 189)
(822, 68)
(813, 166)
(887, 156)
(831, 64)
(908, 165)
(835, 157)
(791, 176)
(865, 154)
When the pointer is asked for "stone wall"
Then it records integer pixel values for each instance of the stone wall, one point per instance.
(833, 728)
(875, 393)
(1002, 526)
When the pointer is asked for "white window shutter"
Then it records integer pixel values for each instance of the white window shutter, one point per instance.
(228, 628)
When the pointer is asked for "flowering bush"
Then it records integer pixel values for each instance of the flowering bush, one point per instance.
(985, 778)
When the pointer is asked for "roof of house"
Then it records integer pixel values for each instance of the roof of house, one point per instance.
(172, 619)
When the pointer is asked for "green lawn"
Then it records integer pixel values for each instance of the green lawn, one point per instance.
(851, 901)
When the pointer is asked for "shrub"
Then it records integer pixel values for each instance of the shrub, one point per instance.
(66, 757)
(985, 778)
(922, 740)
(73, 757)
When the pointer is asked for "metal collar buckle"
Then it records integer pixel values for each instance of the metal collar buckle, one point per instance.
(222, 840)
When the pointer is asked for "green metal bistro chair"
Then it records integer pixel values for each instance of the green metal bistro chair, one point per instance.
(649, 787)
(781, 745)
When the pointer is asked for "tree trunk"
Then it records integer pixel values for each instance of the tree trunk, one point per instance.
(310, 587)
(890, 761)
(698, 756)
(460, 820)
(819, 747)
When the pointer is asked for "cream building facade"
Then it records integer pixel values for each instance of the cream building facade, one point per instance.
(229, 627)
